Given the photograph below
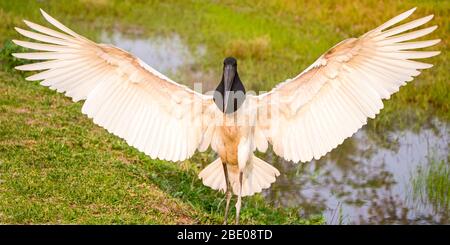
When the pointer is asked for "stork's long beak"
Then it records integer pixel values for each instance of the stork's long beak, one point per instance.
(229, 72)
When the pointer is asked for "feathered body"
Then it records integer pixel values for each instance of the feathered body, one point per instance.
(235, 147)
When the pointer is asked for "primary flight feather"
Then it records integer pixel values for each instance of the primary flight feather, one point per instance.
(303, 118)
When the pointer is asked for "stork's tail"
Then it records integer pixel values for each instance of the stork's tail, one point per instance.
(257, 175)
(213, 176)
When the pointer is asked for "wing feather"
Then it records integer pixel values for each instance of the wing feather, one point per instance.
(123, 94)
(332, 99)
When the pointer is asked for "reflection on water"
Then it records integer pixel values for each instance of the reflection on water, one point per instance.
(364, 180)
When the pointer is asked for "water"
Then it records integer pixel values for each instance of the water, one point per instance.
(166, 54)
(169, 55)
(364, 180)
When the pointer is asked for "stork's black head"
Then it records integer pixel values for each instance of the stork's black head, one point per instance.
(230, 94)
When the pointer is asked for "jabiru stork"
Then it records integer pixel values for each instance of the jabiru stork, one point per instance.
(303, 118)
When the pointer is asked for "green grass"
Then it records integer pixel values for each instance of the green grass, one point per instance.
(56, 166)
(431, 184)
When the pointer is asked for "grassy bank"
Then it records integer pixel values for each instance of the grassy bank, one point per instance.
(430, 184)
(56, 166)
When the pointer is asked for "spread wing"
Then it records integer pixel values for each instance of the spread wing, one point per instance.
(124, 95)
(309, 115)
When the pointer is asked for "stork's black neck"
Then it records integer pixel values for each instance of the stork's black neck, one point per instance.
(230, 93)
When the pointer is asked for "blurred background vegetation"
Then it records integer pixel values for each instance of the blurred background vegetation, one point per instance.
(56, 166)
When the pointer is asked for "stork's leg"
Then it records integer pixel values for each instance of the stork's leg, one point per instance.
(227, 193)
(239, 200)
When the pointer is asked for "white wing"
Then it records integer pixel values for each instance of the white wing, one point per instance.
(311, 114)
(123, 94)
